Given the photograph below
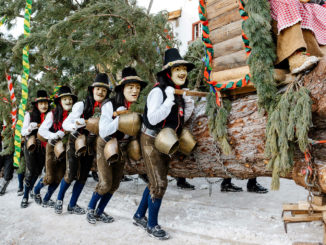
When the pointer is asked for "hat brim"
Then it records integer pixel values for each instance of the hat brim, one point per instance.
(40, 100)
(172, 64)
(102, 85)
(143, 84)
(74, 97)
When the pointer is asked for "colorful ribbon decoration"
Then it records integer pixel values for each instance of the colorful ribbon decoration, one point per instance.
(13, 100)
(2, 21)
(24, 84)
(214, 85)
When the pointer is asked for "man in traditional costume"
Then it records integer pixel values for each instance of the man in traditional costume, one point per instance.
(79, 165)
(110, 171)
(163, 110)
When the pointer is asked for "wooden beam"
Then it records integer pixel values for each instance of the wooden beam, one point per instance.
(234, 60)
(228, 46)
(174, 14)
(303, 218)
(225, 32)
(224, 19)
(221, 7)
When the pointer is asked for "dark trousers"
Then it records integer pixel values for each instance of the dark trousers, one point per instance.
(6, 162)
(35, 162)
(77, 168)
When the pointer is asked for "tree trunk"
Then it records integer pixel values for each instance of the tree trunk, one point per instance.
(246, 130)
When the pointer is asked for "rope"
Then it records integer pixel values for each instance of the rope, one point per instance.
(24, 84)
(209, 53)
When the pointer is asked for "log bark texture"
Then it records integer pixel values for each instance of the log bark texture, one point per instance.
(246, 130)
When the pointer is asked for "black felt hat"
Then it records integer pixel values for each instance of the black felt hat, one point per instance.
(64, 91)
(172, 58)
(129, 75)
(41, 95)
(101, 80)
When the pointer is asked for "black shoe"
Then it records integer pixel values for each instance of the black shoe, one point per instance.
(20, 191)
(58, 207)
(90, 216)
(257, 188)
(125, 179)
(229, 187)
(32, 194)
(4, 187)
(185, 186)
(158, 233)
(141, 222)
(104, 217)
(24, 203)
(50, 203)
(38, 199)
(95, 176)
(76, 210)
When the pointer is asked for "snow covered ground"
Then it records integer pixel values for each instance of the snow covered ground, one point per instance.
(190, 217)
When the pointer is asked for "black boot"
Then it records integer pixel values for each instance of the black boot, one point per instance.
(227, 186)
(90, 216)
(95, 176)
(58, 207)
(4, 187)
(24, 203)
(104, 217)
(141, 222)
(38, 199)
(253, 186)
(20, 191)
(183, 184)
(158, 233)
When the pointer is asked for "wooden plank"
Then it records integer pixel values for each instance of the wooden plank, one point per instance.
(304, 205)
(226, 32)
(230, 61)
(211, 2)
(174, 14)
(224, 19)
(319, 200)
(290, 207)
(220, 7)
(303, 218)
(228, 46)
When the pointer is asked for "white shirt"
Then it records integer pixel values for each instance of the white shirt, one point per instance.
(108, 125)
(27, 121)
(158, 110)
(76, 113)
(44, 129)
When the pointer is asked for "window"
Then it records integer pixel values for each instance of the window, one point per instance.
(197, 29)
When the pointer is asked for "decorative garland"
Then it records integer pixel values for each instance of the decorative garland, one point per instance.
(24, 84)
(2, 21)
(214, 85)
(13, 100)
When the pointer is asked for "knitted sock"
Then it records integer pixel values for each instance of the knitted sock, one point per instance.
(143, 205)
(153, 209)
(94, 200)
(104, 201)
(63, 188)
(78, 187)
(51, 190)
(20, 181)
(39, 186)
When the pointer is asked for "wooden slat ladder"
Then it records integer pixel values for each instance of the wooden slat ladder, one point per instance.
(299, 212)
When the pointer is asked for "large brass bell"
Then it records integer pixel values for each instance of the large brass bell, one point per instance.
(167, 141)
(111, 151)
(186, 142)
(92, 125)
(80, 145)
(41, 138)
(133, 150)
(59, 150)
(130, 123)
(31, 143)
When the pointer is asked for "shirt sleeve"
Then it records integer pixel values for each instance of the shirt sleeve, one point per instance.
(157, 109)
(189, 107)
(108, 125)
(76, 113)
(44, 129)
(27, 120)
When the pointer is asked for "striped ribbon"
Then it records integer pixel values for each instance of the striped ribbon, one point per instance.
(214, 85)
(24, 84)
(13, 100)
(2, 21)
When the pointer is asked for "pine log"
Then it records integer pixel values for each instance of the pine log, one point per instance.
(221, 7)
(228, 46)
(225, 32)
(234, 60)
(246, 130)
(224, 19)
